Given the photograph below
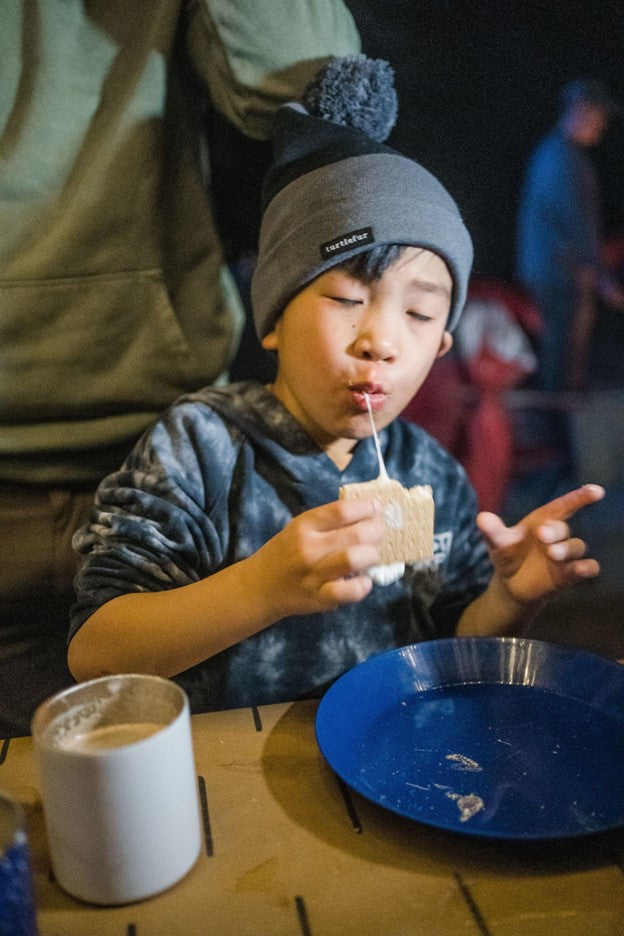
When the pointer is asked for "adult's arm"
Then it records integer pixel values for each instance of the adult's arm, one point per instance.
(257, 54)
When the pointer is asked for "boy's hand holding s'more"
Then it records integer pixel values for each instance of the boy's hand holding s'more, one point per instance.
(320, 559)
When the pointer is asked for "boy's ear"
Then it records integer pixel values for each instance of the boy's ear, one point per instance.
(270, 341)
(445, 344)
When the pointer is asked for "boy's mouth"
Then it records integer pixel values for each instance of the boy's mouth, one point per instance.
(375, 393)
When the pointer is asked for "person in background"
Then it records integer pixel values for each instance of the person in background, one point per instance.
(220, 552)
(560, 236)
(114, 298)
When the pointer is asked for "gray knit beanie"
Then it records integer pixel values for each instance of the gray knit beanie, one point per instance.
(335, 190)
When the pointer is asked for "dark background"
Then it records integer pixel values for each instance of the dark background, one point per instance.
(478, 84)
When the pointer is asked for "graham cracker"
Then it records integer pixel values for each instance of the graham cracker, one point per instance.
(408, 513)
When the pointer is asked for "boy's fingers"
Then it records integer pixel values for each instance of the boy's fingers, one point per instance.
(346, 590)
(496, 533)
(341, 540)
(342, 513)
(562, 508)
(567, 549)
(586, 568)
(369, 530)
(553, 532)
(347, 562)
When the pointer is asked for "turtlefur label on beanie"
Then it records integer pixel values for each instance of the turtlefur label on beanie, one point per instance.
(346, 242)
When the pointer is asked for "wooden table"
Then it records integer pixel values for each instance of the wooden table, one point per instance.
(289, 851)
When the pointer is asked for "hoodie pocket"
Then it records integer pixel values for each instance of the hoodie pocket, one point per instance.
(91, 346)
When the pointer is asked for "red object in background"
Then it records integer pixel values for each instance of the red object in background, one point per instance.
(513, 298)
(440, 404)
(462, 401)
(488, 456)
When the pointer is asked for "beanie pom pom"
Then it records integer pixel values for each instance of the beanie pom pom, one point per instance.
(355, 91)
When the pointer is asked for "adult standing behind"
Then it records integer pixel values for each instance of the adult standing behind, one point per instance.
(560, 233)
(114, 298)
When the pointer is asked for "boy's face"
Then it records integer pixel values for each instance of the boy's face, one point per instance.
(339, 338)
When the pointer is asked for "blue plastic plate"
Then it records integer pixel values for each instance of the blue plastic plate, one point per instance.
(500, 737)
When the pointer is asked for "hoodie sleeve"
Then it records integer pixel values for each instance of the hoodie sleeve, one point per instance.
(254, 55)
(161, 521)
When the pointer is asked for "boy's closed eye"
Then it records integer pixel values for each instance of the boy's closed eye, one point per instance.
(346, 300)
(418, 316)
(349, 301)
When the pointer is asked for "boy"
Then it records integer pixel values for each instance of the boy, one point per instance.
(220, 551)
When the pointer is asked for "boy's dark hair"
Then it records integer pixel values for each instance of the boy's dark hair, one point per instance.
(370, 266)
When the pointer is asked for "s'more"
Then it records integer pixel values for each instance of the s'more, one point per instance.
(408, 514)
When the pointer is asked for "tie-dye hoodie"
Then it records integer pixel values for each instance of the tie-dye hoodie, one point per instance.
(222, 472)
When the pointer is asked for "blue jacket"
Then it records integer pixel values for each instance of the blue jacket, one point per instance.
(559, 216)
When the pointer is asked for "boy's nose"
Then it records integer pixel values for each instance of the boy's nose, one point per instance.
(376, 340)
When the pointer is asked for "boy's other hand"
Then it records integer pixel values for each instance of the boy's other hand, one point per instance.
(319, 560)
(538, 555)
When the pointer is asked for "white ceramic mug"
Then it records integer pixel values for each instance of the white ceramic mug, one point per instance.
(115, 761)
